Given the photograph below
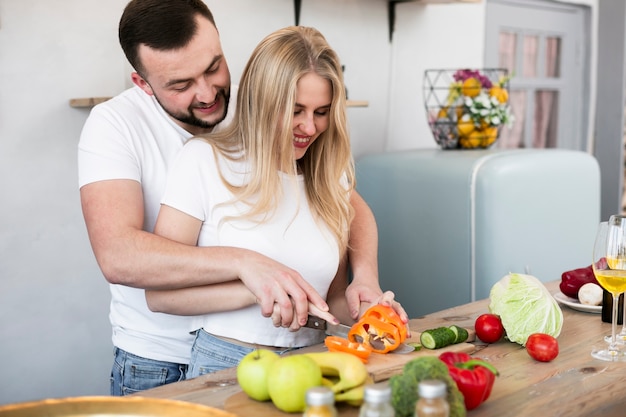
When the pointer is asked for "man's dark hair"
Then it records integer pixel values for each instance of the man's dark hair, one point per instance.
(159, 24)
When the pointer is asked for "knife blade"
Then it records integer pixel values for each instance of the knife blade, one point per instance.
(341, 330)
(330, 329)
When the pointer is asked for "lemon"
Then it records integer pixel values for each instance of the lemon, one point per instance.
(459, 112)
(472, 141)
(490, 136)
(499, 93)
(443, 113)
(471, 87)
(465, 127)
(479, 138)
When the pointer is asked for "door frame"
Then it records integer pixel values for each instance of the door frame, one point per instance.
(575, 133)
(608, 147)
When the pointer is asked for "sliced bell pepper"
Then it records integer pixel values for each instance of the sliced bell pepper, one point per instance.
(339, 344)
(473, 377)
(380, 328)
(571, 281)
(388, 315)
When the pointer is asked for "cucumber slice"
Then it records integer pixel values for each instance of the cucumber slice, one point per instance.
(437, 338)
(460, 333)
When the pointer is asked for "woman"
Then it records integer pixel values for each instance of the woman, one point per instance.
(277, 181)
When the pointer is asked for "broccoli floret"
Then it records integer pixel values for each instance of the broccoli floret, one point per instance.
(403, 394)
(404, 386)
(426, 367)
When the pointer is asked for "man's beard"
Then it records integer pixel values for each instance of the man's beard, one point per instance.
(191, 120)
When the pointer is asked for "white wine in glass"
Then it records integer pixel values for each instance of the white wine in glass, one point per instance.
(609, 267)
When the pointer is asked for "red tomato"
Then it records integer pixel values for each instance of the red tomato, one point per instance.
(542, 347)
(489, 328)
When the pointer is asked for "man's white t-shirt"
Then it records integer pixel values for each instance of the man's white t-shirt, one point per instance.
(291, 236)
(131, 137)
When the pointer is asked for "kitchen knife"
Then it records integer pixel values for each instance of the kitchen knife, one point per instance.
(330, 329)
(341, 330)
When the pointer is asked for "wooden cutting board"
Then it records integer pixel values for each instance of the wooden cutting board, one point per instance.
(380, 366)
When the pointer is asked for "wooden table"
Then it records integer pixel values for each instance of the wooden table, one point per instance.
(574, 384)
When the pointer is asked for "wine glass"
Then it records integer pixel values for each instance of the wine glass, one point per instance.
(621, 336)
(609, 267)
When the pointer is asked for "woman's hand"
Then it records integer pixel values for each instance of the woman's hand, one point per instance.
(388, 299)
(359, 292)
(275, 284)
(278, 317)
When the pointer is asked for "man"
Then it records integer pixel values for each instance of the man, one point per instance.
(183, 88)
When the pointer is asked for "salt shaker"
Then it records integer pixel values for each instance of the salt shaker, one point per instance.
(377, 401)
(320, 402)
(432, 399)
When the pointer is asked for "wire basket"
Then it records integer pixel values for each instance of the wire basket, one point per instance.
(466, 108)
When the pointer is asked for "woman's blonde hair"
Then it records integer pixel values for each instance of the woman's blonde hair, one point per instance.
(262, 131)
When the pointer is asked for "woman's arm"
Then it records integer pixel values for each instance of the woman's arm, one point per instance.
(200, 300)
(363, 257)
(336, 299)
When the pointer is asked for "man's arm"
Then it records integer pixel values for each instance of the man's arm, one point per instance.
(127, 255)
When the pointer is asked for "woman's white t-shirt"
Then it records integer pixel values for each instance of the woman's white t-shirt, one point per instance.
(291, 236)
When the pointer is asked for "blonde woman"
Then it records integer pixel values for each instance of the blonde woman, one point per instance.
(276, 181)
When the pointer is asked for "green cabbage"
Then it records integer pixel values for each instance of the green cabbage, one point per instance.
(525, 306)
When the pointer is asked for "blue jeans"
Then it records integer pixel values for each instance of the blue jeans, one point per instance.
(131, 373)
(212, 354)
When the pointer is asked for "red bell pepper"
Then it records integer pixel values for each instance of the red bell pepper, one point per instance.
(473, 377)
(571, 281)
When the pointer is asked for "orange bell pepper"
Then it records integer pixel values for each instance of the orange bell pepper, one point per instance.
(339, 344)
(381, 328)
(388, 315)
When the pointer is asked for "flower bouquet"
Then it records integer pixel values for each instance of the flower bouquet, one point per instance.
(467, 108)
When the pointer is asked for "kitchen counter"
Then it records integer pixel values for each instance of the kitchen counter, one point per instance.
(574, 384)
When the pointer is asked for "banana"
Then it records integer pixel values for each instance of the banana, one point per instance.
(354, 396)
(329, 381)
(350, 370)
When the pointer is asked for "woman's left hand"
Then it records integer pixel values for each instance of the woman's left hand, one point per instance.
(359, 292)
(388, 299)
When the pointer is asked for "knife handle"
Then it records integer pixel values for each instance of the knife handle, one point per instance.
(315, 323)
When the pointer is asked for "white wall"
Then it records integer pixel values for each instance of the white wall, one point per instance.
(432, 36)
(54, 330)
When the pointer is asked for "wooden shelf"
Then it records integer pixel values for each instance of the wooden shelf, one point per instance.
(87, 102)
(92, 101)
(357, 103)
(434, 1)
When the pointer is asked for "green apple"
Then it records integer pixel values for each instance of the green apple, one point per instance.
(252, 373)
(288, 380)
